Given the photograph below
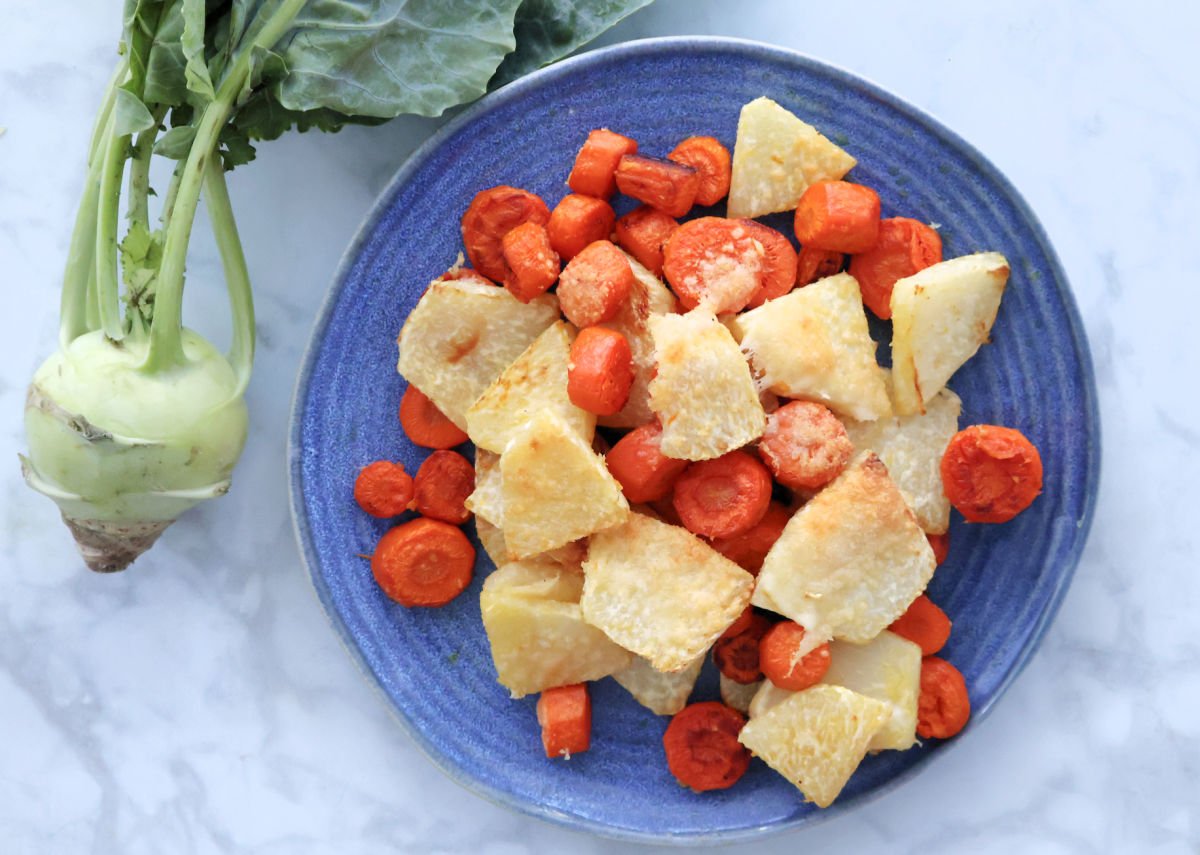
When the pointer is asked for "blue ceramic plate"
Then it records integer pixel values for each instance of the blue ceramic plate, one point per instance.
(1001, 585)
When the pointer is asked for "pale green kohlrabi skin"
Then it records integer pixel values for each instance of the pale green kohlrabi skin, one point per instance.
(115, 445)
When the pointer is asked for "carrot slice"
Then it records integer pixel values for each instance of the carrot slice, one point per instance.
(532, 263)
(600, 371)
(991, 473)
(813, 264)
(701, 743)
(643, 471)
(442, 485)
(596, 163)
(642, 233)
(736, 653)
(577, 221)
(943, 706)
(708, 157)
(565, 714)
(723, 497)
(425, 424)
(904, 246)
(595, 284)
(383, 489)
(423, 562)
(941, 546)
(492, 214)
(804, 445)
(714, 261)
(779, 663)
(748, 549)
(778, 264)
(924, 624)
(670, 187)
(838, 216)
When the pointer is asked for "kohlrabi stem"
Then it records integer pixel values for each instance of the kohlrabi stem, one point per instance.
(108, 291)
(139, 174)
(74, 317)
(171, 195)
(237, 277)
(166, 348)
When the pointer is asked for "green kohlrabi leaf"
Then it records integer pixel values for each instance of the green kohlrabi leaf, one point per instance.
(547, 30)
(387, 57)
(130, 114)
(166, 82)
(176, 143)
(195, 69)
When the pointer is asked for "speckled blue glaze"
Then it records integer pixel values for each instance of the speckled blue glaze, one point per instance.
(1001, 585)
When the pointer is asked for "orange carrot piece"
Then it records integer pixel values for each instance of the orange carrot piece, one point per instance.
(383, 489)
(492, 214)
(778, 264)
(596, 163)
(643, 471)
(708, 157)
(702, 748)
(600, 371)
(805, 445)
(723, 497)
(423, 562)
(736, 653)
(813, 264)
(748, 549)
(838, 216)
(670, 187)
(777, 658)
(642, 233)
(715, 261)
(442, 485)
(577, 221)
(904, 246)
(532, 263)
(941, 546)
(924, 624)
(565, 715)
(425, 424)
(595, 284)
(943, 706)
(991, 473)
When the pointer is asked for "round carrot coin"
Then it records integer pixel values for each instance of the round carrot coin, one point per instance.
(577, 221)
(702, 748)
(492, 214)
(805, 445)
(780, 664)
(600, 371)
(714, 261)
(442, 486)
(924, 624)
(904, 247)
(383, 489)
(425, 424)
(711, 160)
(643, 471)
(423, 562)
(642, 233)
(723, 497)
(736, 653)
(991, 473)
(532, 263)
(813, 264)
(943, 706)
(595, 284)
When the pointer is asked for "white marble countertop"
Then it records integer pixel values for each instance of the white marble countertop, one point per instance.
(201, 702)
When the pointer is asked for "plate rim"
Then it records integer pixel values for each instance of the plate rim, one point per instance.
(657, 45)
